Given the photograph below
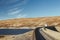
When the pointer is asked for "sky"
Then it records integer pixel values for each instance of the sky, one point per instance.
(10, 9)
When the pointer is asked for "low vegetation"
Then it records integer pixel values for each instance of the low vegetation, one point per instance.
(30, 22)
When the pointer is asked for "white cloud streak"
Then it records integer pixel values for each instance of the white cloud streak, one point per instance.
(14, 12)
(19, 4)
(15, 8)
(21, 16)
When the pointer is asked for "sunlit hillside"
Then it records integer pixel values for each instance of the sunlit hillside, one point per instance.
(30, 22)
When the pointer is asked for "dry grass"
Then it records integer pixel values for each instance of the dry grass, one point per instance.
(30, 22)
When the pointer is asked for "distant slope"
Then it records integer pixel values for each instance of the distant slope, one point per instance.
(30, 22)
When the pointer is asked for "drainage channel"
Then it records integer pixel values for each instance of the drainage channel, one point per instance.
(13, 31)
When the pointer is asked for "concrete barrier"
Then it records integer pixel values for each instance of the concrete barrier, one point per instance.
(50, 35)
(57, 28)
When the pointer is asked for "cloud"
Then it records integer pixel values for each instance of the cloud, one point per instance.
(14, 11)
(25, 1)
(21, 16)
(6, 2)
(13, 8)
(19, 4)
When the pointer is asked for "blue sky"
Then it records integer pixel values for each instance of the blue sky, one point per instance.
(28, 8)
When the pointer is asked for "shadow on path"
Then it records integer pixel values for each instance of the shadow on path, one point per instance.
(52, 28)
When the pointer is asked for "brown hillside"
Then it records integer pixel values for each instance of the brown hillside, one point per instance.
(30, 22)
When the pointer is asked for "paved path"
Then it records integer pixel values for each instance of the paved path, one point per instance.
(38, 34)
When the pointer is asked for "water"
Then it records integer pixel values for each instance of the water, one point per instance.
(13, 31)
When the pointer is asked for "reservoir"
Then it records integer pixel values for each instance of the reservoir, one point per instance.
(13, 31)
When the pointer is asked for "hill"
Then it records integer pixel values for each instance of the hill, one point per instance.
(30, 22)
